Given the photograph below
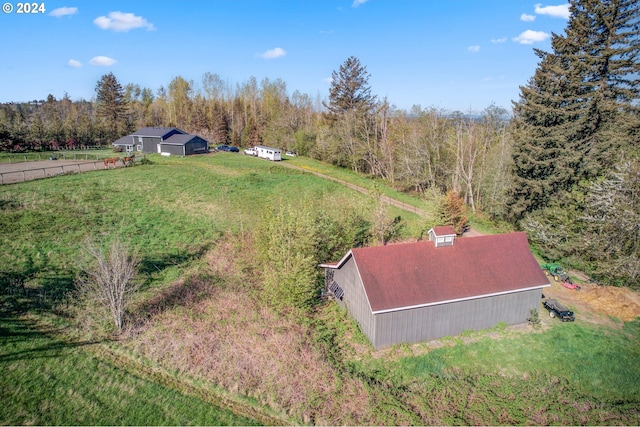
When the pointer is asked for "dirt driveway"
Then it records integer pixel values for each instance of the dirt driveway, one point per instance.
(25, 171)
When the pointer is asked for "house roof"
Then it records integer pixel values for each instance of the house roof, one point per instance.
(179, 139)
(420, 274)
(444, 230)
(156, 131)
(125, 140)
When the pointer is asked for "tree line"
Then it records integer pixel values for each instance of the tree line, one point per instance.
(543, 167)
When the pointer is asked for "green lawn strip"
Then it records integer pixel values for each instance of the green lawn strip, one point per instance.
(49, 380)
(241, 406)
(598, 362)
(360, 180)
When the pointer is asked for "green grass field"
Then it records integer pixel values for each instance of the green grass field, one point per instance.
(174, 211)
(52, 381)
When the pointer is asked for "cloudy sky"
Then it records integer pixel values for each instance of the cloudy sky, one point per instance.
(451, 54)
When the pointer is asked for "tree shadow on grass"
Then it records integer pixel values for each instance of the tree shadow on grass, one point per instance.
(184, 293)
(30, 342)
(157, 264)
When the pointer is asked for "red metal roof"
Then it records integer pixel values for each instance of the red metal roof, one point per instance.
(444, 230)
(414, 274)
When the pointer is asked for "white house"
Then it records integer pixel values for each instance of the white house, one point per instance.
(269, 153)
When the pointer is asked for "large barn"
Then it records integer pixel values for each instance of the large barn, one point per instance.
(414, 292)
(167, 141)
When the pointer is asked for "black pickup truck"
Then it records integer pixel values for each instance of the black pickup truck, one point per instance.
(558, 310)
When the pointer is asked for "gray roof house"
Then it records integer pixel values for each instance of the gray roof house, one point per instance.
(413, 292)
(167, 141)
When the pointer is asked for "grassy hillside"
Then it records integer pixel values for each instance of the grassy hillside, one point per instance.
(199, 336)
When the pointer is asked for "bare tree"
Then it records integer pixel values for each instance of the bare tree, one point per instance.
(109, 278)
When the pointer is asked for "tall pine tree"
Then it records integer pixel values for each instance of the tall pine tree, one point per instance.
(350, 90)
(112, 104)
(580, 110)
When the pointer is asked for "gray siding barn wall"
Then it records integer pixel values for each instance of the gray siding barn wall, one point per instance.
(197, 145)
(174, 150)
(354, 297)
(149, 143)
(426, 323)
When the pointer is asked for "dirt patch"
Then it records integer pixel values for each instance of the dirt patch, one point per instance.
(26, 171)
(596, 303)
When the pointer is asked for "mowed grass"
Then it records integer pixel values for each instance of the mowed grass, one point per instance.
(49, 381)
(599, 362)
(170, 210)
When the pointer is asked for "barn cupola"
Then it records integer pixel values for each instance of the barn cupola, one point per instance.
(442, 236)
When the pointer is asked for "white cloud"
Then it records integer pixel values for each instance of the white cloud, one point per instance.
(527, 18)
(120, 21)
(357, 3)
(474, 49)
(63, 11)
(273, 53)
(531, 37)
(560, 11)
(102, 61)
(74, 63)
(500, 40)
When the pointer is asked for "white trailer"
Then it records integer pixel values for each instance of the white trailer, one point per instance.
(269, 153)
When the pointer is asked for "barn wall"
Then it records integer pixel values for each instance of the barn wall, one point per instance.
(149, 143)
(174, 150)
(426, 323)
(354, 297)
(196, 145)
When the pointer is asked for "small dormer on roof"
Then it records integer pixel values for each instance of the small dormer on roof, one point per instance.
(442, 235)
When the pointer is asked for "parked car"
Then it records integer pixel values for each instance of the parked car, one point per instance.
(291, 153)
(251, 152)
(227, 148)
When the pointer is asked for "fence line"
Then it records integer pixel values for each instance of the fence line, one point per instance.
(60, 169)
(22, 158)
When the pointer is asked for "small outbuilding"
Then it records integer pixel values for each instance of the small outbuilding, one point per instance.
(413, 292)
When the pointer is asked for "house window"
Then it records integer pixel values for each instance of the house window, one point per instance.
(337, 291)
(448, 239)
(140, 139)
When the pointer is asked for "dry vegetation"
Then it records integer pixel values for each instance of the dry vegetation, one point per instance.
(220, 333)
(211, 325)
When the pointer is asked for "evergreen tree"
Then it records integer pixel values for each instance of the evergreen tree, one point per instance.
(350, 90)
(112, 104)
(580, 108)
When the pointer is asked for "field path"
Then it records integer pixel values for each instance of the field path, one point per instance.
(471, 232)
(363, 190)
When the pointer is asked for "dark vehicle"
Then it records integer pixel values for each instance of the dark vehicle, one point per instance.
(228, 148)
(558, 310)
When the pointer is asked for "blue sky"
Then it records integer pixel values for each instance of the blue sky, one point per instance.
(450, 54)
